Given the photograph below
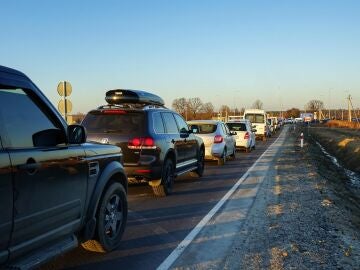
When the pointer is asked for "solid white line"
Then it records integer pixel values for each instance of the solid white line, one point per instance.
(166, 264)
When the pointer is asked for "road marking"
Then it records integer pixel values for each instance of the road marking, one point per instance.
(175, 254)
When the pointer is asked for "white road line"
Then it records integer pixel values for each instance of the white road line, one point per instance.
(166, 264)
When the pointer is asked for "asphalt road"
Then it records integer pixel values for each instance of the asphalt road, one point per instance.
(156, 226)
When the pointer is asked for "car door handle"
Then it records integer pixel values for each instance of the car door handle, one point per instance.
(31, 166)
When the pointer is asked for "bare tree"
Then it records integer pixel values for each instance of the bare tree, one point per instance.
(208, 110)
(195, 106)
(314, 105)
(293, 112)
(224, 109)
(180, 105)
(257, 104)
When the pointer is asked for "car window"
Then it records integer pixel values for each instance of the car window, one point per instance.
(23, 118)
(237, 126)
(183, 127)
(158, 123)
(114, 121)
(169, 120)
(203, 128)
(255, 118)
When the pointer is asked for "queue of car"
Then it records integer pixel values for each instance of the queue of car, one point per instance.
(71, 181)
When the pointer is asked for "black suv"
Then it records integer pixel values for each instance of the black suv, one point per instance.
(156, 141)
(55, 189)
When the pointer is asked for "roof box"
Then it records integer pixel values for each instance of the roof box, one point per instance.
(121, 96)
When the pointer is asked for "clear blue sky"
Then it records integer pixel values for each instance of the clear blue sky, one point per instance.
(225, 52)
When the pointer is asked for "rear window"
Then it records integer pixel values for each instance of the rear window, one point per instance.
(237, 126)
(114, 122)
(255, 118)
(203, 128)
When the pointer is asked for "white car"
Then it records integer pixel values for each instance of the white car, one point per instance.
(259, 119)
(218, 139)
(245, 134)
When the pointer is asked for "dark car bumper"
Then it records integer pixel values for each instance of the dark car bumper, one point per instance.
(146, 172)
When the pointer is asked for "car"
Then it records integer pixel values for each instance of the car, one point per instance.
(55, 190)
(245, 134)
(156, 141)
(219, 141)
(259, 119)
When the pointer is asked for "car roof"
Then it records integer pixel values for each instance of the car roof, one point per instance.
(243, 121)
(214, 122)
(12, 71)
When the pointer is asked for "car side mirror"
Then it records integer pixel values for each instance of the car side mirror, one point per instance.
(233, 133)
(48, 137)
(184, 133)
(76, 134)
(254, 130)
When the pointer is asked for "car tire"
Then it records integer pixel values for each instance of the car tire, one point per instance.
(201, 165)
(248, 149)
(222, 160)
(111, 220)
(167, 180)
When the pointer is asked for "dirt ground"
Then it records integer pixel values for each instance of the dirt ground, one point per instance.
(343, 143)
(306, 217)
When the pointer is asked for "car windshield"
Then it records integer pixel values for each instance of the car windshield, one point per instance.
(203, 128)
(123, 123)
(237, 126)
(255, 118)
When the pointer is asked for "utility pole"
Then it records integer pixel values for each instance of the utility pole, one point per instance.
(349, 108)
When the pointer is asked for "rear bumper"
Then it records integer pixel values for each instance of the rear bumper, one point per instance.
(214, 151)
(147, 172)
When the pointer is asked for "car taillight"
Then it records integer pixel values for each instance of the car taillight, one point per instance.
(246, 136)
(142, 143)
(114, 112)
(218, 139)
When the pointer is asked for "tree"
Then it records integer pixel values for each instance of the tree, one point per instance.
(292, 113)
(208, 110)
(224, 109)
(180, 105)
(195, 106)
(257, 104)
(314, 105)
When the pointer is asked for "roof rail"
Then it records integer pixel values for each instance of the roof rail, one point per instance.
(131, 106)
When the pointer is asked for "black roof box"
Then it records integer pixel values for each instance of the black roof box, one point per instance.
(121, 96)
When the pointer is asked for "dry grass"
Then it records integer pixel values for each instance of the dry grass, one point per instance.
(343, 124)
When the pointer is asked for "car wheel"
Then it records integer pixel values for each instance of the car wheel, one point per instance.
(111, 220)
(248, 149)
(167, 180)
(201, 165)
(222, 160)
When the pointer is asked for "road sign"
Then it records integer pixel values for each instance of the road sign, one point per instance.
(64, 89)
(61, 106)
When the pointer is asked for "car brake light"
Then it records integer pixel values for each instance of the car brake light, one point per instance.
(218, 139)
(142, 143)
(246, 136)
(114, 112)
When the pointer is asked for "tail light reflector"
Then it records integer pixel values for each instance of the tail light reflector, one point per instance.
(218, 139)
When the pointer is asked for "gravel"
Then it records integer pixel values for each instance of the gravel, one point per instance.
(303, 218)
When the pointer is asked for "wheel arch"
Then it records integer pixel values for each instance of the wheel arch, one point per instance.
(113, 172)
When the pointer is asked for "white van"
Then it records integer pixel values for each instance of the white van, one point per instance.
(259, 120)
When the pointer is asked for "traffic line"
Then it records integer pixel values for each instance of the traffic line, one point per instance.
(175, 254)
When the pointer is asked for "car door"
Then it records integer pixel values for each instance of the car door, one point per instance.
(6, 201)
(229, 139)
(50, 182)
(190, 148)
(173, 137)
